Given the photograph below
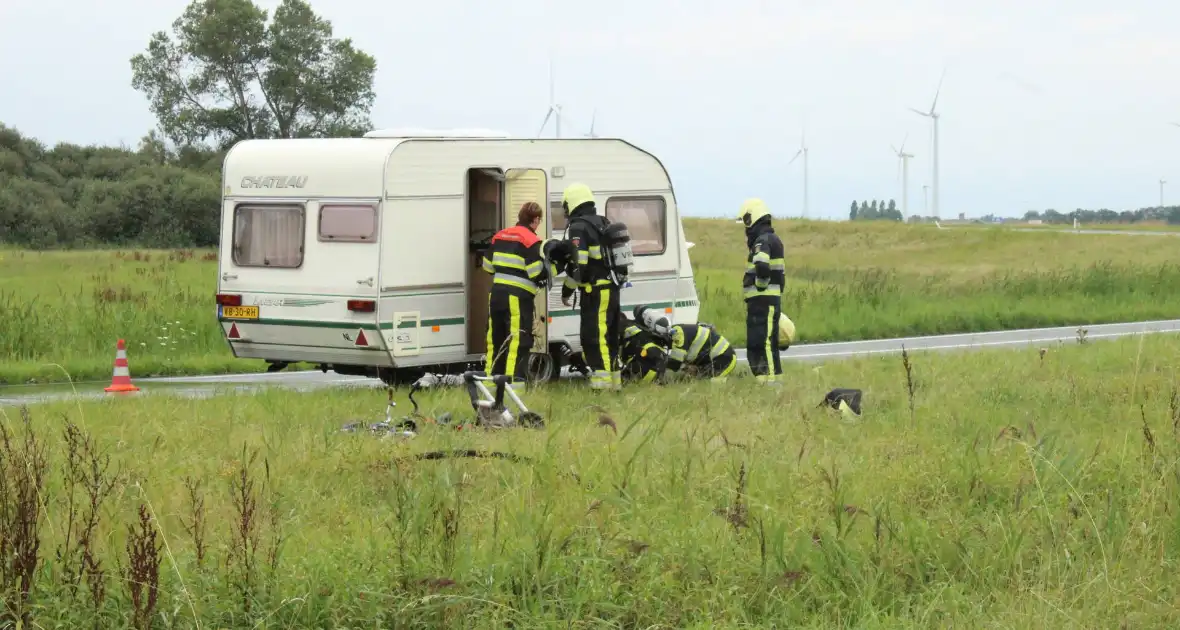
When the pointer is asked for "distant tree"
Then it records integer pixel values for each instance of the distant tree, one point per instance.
(863, 213)
(892, 206)
(873, 207)
(852, 212)
(228, 76)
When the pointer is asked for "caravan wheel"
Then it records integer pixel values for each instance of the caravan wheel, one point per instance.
(400, 376)
(540, 368)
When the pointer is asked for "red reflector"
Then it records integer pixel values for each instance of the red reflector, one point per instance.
(360, 339)
(233, 332)
(362, 306)
(229, 300)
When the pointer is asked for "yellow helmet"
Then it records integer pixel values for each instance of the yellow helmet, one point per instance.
(786, 331)
(575, 195)
(752, 210)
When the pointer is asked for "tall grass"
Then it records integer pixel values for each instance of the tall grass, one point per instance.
(845, 282)
(998, 489)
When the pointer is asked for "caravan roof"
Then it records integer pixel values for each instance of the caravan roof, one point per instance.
(418, 132)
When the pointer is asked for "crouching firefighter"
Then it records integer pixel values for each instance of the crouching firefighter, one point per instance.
(642, 357)
(603, 261)
(518, 271)
(696, 345)
(762, 288)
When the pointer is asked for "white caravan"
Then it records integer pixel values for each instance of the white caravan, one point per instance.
(362, 255)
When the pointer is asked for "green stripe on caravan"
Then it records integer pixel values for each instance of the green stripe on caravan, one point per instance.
(443, 321)
(446, 321)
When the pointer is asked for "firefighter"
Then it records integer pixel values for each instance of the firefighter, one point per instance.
(697, 345)
(519, 271)
(762, 288)
(598, 293)
(641, 355)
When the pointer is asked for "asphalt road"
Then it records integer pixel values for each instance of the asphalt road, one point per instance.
(204, 386)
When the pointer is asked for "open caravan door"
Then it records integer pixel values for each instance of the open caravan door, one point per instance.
(521, 186)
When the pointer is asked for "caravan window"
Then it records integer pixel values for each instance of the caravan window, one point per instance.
(556, 216)
(646, 219)
(268, 235)
(348, 223)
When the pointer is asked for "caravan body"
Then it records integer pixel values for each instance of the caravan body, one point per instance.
(362, 255)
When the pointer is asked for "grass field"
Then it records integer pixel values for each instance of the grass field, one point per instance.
(63, 312)
(1011, 489)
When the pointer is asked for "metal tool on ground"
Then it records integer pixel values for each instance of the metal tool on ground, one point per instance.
(490, 410)
(406, 426)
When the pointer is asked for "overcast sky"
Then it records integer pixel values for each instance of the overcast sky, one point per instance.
(1045, 104)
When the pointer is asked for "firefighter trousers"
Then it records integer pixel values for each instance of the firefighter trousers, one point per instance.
(510, 332)
(720, 367)
(600, 335)
(762, 313)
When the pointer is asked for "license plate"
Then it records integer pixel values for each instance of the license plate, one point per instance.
(239, 312)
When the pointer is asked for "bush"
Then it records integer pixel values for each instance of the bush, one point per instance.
(73, 196)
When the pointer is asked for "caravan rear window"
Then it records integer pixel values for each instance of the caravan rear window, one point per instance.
(646, 219)
(268, 235)
(354, 223)
(557, 220)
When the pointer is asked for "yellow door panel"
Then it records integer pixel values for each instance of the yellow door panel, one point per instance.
(524, 185)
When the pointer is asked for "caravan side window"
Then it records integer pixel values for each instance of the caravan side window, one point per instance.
(646, 219)
(269, 235)
(352, 223)
(557, 220)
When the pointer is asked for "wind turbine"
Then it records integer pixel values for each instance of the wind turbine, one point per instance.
(593, 115)
(802, 151)
(903, 166)
(554, 108)
(933, 116)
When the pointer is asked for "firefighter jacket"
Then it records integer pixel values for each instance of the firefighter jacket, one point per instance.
(643, 359)
(765, 265)
(590, 266)
(515, 262)
(695, 344)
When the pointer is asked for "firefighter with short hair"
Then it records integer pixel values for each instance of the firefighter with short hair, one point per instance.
(696, 345)
(762, 289)
(518, 271)
(599, 302)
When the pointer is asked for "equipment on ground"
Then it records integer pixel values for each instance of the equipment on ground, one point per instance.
(786, 331)
(844, 400)
(489, 409)
(406, 427)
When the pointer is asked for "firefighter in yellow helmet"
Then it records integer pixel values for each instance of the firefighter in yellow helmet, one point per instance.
(698, 345)
(598, 289)
(762, 289)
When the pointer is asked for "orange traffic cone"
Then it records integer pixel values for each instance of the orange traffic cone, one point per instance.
(121, 381)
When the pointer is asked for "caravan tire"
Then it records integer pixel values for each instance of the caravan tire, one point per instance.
(400, 376)
(541, 368)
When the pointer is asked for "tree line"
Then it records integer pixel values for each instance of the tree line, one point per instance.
(1168, 214)
(226, 73)
(875, 211)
